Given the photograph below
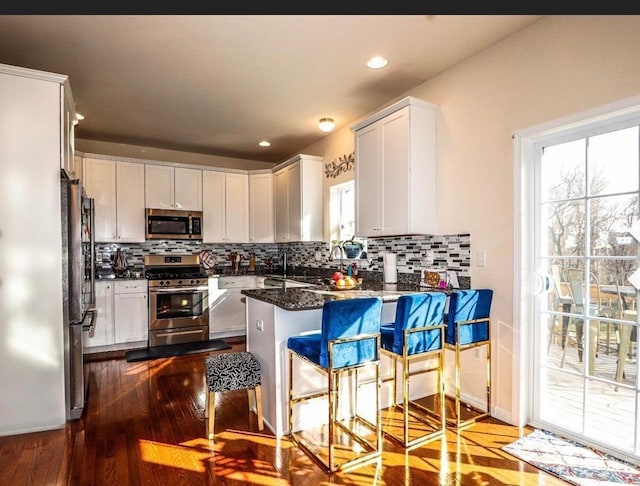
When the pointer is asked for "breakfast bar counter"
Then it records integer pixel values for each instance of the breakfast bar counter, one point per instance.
(313, 297)
(272, 316)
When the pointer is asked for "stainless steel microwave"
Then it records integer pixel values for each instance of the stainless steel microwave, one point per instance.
(170, 224)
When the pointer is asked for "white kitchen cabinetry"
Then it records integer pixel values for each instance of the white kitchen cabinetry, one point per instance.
(168, 187)
(131, 311)
(118, 192)
(35, 144)
(395, 170)
(227, 313)
(103, 333)
(261, 208)
(122, 315)
(297, 185)
(225, 203)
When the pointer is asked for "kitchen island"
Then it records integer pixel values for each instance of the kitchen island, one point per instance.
(273, 315)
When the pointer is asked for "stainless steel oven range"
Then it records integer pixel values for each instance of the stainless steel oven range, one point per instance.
(178, 299)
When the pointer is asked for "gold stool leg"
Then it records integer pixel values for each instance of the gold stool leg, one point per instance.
(257, 397)
(210, 413)
(458, 379)
(206, 403)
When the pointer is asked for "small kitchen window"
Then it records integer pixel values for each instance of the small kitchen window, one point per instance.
(342, 215)
(342, 204)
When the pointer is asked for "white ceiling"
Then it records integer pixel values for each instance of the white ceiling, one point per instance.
(218, 84)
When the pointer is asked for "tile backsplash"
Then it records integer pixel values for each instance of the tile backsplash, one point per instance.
(436, 252)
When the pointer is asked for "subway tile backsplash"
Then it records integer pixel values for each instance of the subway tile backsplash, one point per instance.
(449, 252)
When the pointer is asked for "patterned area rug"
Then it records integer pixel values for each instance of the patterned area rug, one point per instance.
(571, 461)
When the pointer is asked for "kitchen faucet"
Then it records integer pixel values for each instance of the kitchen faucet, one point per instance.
(338, 247)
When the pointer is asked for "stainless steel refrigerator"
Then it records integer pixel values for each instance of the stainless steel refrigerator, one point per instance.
(78, 283)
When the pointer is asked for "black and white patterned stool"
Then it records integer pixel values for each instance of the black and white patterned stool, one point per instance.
(232, 371)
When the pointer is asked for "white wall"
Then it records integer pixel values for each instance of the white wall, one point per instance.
(558, 66)
(31, 328)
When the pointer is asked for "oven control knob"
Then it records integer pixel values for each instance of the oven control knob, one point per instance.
(194, 282)
(179, 282)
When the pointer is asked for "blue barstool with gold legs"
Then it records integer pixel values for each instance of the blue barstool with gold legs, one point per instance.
(468, 327)
(348, 342)
(417, 334)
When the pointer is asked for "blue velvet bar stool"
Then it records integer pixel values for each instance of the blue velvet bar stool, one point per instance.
(468, 327)
(348, 342)
(416, 334)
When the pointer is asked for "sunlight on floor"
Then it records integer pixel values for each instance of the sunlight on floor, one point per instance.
(173, 456)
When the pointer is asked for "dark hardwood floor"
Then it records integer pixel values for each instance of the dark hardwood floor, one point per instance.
(144, 425)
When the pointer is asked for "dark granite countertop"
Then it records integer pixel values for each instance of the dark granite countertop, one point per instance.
(314, 297)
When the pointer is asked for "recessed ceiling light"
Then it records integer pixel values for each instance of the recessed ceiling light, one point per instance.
(264, 143)
(377, 62)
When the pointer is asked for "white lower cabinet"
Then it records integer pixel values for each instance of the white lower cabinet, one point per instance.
(121, 314)
(227, 312)
(131, 311)
(102, 333)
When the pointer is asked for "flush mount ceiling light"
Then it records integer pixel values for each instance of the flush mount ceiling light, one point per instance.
(326, 124)
(264, 143)
(377, 62)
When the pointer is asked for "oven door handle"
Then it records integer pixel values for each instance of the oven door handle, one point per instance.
(179, 333)
(177, 289)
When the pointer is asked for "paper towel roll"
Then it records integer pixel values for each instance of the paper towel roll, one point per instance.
(390, 268)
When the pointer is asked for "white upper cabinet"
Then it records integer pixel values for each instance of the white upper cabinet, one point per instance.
(297, 185)
(168, 187)
(395, 170)
(130, 215)
(118, 192)
(100, 184)
(188, 189)
(158, 186)
(225, 210)
(261, 208)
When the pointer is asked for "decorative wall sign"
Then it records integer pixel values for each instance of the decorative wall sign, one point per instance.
(344, 163)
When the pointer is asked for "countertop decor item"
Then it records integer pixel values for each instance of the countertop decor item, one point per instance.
(235, 258)
(390, 267)
(352, 249)
(120, 262)
(208, 259)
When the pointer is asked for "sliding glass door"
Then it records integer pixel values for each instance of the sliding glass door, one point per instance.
(586, 256)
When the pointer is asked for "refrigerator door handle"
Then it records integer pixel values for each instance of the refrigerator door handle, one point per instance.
(92, 323)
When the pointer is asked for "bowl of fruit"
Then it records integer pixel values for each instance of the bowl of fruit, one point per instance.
(340, 281)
